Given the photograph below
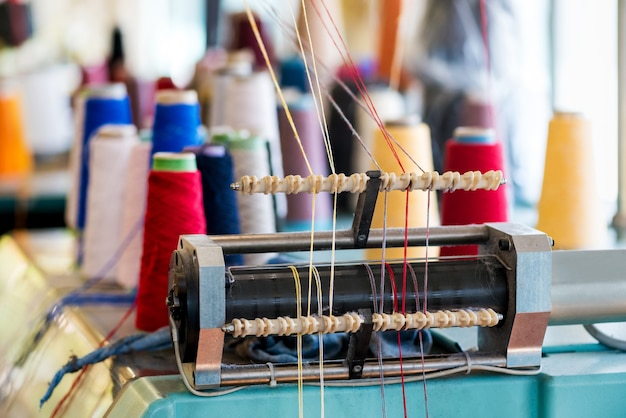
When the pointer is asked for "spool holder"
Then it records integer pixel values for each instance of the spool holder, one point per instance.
(203, 296)
(198, 303)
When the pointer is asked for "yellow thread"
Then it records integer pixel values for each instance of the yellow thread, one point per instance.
(318, 283)
(296, 279)
(323, 121)
(259, 40)
(331, 286)
(321, 117)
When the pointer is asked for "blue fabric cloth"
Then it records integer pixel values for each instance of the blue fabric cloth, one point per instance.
(284, 349)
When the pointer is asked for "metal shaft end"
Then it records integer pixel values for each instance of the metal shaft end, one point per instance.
(235, 186)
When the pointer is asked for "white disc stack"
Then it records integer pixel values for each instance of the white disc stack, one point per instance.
(110, 152)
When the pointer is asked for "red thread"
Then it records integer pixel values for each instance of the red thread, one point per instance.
(394, 292)
(173, 208)
(472, 207)
(358, 80)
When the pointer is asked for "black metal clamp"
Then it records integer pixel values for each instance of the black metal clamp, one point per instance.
(365, 209)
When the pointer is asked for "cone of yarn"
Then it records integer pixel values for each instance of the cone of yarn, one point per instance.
(390, 12)
(142, 97)
(109, 163)
(472, 149)
(173, 208)
(324, 37)
(568, 209)
(299, 207)
(15, 156)
(249, 103)
(256, 212)
(239, 63)
(98, 106)
(361, 27)
(342, 142)
(293, 74)
(206, 68)
(243, 37)
(47, 110)
(220, 201)
(415, 139)
(390, 106)
(176, 121)
(476, 110)
(133, 211)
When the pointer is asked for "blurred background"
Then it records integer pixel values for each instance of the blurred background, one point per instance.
(544, 56)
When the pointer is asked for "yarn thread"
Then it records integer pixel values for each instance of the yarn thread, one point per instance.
(258, 116)
(220, 202)
(176, 121)
(133, 211)
(109, 162)
(415, 138)
(107, 104)
(256, 212)
(472, 207)
(299, 208)
(569, 211)
(15, 157)
(173, 208)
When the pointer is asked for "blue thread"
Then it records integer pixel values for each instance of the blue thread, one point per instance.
(293, 74)
(176, 126)
(220, 201)
(474, 135)
(158, 340)
(98, 112)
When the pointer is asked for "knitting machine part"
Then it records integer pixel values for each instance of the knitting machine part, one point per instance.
(357, 182)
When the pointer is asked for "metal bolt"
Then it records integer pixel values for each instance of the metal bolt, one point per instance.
(504, 244)
(357, 368)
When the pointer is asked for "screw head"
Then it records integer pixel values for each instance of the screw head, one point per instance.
(504, 244)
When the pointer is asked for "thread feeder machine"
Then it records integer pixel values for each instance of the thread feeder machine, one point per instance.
(511, 292)
(510, 299)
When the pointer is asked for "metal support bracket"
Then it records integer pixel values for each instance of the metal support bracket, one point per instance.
(359, 345)
(365, 209)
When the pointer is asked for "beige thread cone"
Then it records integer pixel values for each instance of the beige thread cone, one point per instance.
(569, 209)
(415, 139)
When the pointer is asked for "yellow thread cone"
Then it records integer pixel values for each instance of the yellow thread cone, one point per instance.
(15, 157)
(568, 209)
(415, 139)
